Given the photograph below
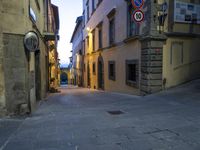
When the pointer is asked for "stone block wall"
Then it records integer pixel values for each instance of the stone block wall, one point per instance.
(151, 63)
(16, 72)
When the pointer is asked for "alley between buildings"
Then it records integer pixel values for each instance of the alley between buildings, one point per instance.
(83, 119)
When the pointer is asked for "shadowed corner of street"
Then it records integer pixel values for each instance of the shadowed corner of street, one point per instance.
(185, 93)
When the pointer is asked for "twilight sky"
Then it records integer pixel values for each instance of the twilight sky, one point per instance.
(69, 10)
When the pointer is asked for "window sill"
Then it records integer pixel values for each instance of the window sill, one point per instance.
(100, 49)
(112, 45)
(131, 38)
(112, 78)
(132, 83)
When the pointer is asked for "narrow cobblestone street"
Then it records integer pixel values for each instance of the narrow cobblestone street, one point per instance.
(79, 119)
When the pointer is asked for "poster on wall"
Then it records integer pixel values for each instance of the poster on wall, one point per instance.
(186, 12)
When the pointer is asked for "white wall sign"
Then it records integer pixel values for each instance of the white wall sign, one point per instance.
(186, 12)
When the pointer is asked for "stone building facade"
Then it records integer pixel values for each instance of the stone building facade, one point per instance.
(53, 37)
(77, 53)
(23, 74)
(123, 56)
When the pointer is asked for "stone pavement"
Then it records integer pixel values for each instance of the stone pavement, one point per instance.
(83, 119)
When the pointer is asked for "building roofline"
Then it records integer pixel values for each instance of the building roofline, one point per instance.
(78, 23)
(56, 16)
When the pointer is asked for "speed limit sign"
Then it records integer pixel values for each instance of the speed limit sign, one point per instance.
(138, 16)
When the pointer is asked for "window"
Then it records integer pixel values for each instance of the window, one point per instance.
(131, 25)
(84, 67)
(38, 4)
(93, 40)
(94, 68)
(132, 73)
(111, 31)
(88, 10)
(99, 1)
(93, 8)
(111, 70)
(176, 58)
(100, 36)
(88, 43)
(80, 52)
(83, 47)
(84, 18)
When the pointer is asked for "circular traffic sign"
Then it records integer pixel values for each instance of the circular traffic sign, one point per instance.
(138, 16)
(137, 3)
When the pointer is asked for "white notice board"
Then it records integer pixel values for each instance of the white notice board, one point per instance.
(186, 12)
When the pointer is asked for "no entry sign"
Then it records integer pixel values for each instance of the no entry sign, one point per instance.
(138, 16)
(137, 3)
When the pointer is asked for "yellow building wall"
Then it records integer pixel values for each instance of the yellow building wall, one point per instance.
(176, 72)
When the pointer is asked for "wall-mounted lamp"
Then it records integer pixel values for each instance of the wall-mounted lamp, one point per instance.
(88, 29)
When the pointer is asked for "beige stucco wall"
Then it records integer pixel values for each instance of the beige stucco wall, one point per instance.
(119, 55)
(121, 52)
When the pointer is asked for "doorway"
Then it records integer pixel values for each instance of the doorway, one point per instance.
(37, 76)
(88, 75)
(100, 73)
